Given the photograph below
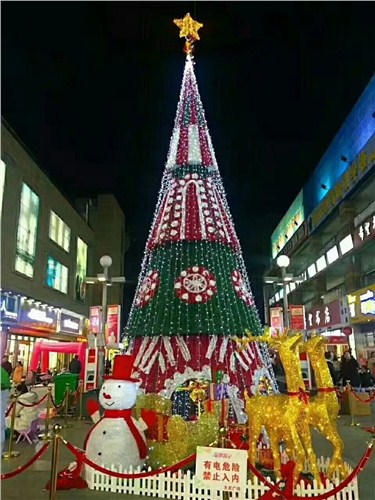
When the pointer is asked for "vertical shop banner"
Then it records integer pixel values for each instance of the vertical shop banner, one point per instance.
(297, 317)
(95, 317)
(113, 325)
(332, 315)
(81, 271)
(276, 319)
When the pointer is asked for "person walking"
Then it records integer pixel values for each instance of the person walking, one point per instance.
(18, 373)
(332, 371)
(349, 370)
(7, 365)
(75, 366)
(5, 386)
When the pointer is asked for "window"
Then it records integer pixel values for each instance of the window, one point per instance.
(81, 270)
(59, 232)
(27, 232)
(346, 244)
(57, 275)
(321, 263)
(332, 255)
(311, 270)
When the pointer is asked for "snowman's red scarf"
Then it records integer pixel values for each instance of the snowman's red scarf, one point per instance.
(126, 415)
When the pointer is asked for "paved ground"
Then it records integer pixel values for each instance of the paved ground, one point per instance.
(30, 484)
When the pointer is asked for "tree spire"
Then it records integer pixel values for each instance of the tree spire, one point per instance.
(188, 29)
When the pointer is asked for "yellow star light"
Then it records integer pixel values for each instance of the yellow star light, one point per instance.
(188, 27)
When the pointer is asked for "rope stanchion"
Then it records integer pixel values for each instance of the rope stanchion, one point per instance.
(368, 400)
(9, 475)
(55, 454)
(57, 407)
(11, 453)
(79, 407)
(349, 392)
(34, 404)
(46, 436)
(324, 496)
(80, 454)
(9, 409)
(67, 392)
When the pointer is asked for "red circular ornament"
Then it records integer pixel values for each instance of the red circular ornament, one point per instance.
(241, 289)
(147, 289)
(347, 330)
(195, 285)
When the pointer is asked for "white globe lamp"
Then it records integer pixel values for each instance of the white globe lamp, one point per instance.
(106, 261)
(283, 261)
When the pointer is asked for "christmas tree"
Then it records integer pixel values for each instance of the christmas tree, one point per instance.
(193, 297)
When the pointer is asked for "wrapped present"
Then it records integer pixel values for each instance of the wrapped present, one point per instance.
(238, 435)
(265, 458)
(221, 391)
(158, 432)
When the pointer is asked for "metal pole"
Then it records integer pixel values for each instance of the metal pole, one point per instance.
(285, 299)
(266, 305)
(67, 392)
(45, 436)
(352, 422)
(10, 453)
(55, 455)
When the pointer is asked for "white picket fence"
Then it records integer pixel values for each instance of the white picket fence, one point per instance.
(182, 486)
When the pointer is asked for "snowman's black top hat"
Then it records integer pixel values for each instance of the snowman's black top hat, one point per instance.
(122, 368)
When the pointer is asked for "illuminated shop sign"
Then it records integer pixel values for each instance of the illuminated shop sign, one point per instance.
(364, 232)
(9, 308)
(288, 226)
(362, 305)
(36, 315)
(327, 316)
(361, 164)
(70, 324)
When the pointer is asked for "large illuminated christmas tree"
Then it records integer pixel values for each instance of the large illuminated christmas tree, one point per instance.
(193, 295)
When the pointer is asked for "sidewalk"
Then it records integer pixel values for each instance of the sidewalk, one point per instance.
(30, 483)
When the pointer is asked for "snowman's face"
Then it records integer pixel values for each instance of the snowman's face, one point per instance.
(118, 394)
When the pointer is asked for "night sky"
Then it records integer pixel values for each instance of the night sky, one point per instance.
(92, 89)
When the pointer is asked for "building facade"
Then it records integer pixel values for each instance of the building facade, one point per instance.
(328, 233)
(47, 250)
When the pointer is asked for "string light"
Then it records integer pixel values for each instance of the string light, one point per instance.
(193, 290)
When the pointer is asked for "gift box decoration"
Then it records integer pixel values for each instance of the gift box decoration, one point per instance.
(265, 458)
(221, 391)
(158, 431)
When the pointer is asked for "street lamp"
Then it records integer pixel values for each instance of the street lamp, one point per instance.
(105, 281)
(283, 262)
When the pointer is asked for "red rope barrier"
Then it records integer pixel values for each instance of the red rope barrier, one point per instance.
(57, 407)
(368, 400)
(81, 455)
(41, 452)
(329, 494)
(34, 404)
(9, 409)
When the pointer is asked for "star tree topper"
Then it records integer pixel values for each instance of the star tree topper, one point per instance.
(188, 29)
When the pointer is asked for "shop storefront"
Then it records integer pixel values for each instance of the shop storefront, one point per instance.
(332, 321)
(26, 320)
(362, 315)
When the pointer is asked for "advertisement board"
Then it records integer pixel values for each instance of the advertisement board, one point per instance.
(95, 319)
(9, 308)
(297, 317)
(81, 270)
(113, 325)
(365, 232)
(276, 320)
(70, 323)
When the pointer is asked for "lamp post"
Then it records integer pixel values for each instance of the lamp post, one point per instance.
(105, 281)
(283, 262)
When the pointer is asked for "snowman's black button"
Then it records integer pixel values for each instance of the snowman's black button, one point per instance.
(104, 432)
(99, 453)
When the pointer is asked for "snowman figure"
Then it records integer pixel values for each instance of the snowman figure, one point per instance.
(117, 438)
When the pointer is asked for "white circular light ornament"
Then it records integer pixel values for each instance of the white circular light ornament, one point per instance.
(241, 289)
(147, 289)
(195, 285)
(283, 261)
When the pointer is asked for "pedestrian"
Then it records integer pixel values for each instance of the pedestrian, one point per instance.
(5, 386)
(366, 377)
(332, 371)
(24, 415)
(349, 370)
(75, 366)
(7, 365)
(18, 373)
(371, 363)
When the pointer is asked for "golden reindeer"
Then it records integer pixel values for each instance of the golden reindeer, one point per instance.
(323, 409)
(280, 413)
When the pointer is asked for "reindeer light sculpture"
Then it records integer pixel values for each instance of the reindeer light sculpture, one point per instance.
(280, 413)
(323, 409)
